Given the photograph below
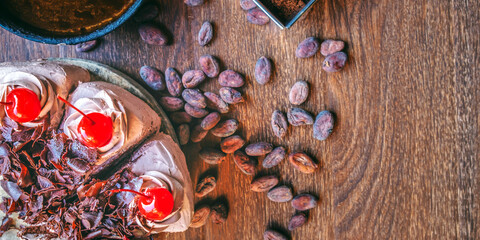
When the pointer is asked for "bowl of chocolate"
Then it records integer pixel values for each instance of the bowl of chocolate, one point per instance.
(284, 12)
(62, 21)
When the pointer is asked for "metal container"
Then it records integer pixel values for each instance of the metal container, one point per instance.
(287, 24)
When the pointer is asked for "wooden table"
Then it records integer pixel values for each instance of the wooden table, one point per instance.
(403, 161)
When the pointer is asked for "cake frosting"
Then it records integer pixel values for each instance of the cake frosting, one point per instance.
(161, 163)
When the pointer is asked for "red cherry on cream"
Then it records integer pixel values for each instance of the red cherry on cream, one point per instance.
(22, 105)
(95, 129)
(154, 203)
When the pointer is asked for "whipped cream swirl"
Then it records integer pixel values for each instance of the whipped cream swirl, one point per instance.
(106, 103)
(39, 85)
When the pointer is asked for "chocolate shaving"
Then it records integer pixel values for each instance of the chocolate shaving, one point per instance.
(7, 223)
(25, 179)
(11, 189)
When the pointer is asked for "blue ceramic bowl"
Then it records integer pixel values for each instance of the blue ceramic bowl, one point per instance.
(34, 34)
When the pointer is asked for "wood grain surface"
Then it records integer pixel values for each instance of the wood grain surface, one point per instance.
(403, 161)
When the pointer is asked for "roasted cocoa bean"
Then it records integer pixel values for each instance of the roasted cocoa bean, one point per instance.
(299, 93)
(230, 95)
(247, 4)
(212, 155)
(205, 34)
(210, 65)
(334, 62)
(273, 235)
(219, 213)
(232, 144)
(153, 78)
(258, 149)
(146, 13)
(171, 104)
(302, 162)
(280, 194)
(210, 121)
(225, 128)
(323, 125)
(279, 123)
(297, 220)
(194, 111)
(200, 216)
(257, 16)
(180, 117)
(183, 132)
(230, 78)
(307, 48)
(205, 186)
(173, 82)
(192, 78)
(198, 134)
(215, 102)
(193, 3)
(244, 163)
(152, 35)
(331, 46)
(274, 158)
(303, 202)
(86, 46)
(263, 184)
(194, 97)
(263, 70)
(298, 117)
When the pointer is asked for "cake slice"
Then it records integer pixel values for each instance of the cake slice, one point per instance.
(133, 120)
(47, 79)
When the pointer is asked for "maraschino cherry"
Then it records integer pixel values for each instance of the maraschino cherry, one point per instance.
(153, 203)
(95, 129)
(22, 105)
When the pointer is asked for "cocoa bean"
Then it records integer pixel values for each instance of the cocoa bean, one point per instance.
(323, 125)
(244, 163)
(214, 101)
(180, 117)
(273, 235)
(153, 78)
(210, 121)
(297, 220)
(274, 157)
(280, 194)
(307, 48)
(152, 35)
(230, 95)
(298, 117)
(219, 213)
(230, 78)
(279, 124)
(210, 65)
(303, 202)
(225, 128)
(257, 16)
(258, 149)
(299, 93)
(86, 46)
(200, 216)
(171, 104)
(232, 144)
(192, 78)
(174, 82)
(263, 184)
(331, 46)
(205, 34)
(194, 111)
(212, 155)
(302, 162)
(205, 186)
(183, 132)
(263, 70)
(146, 13)
(334, 62)
(247, 4)
(194, 97)
(193, 3)
(198, 134)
